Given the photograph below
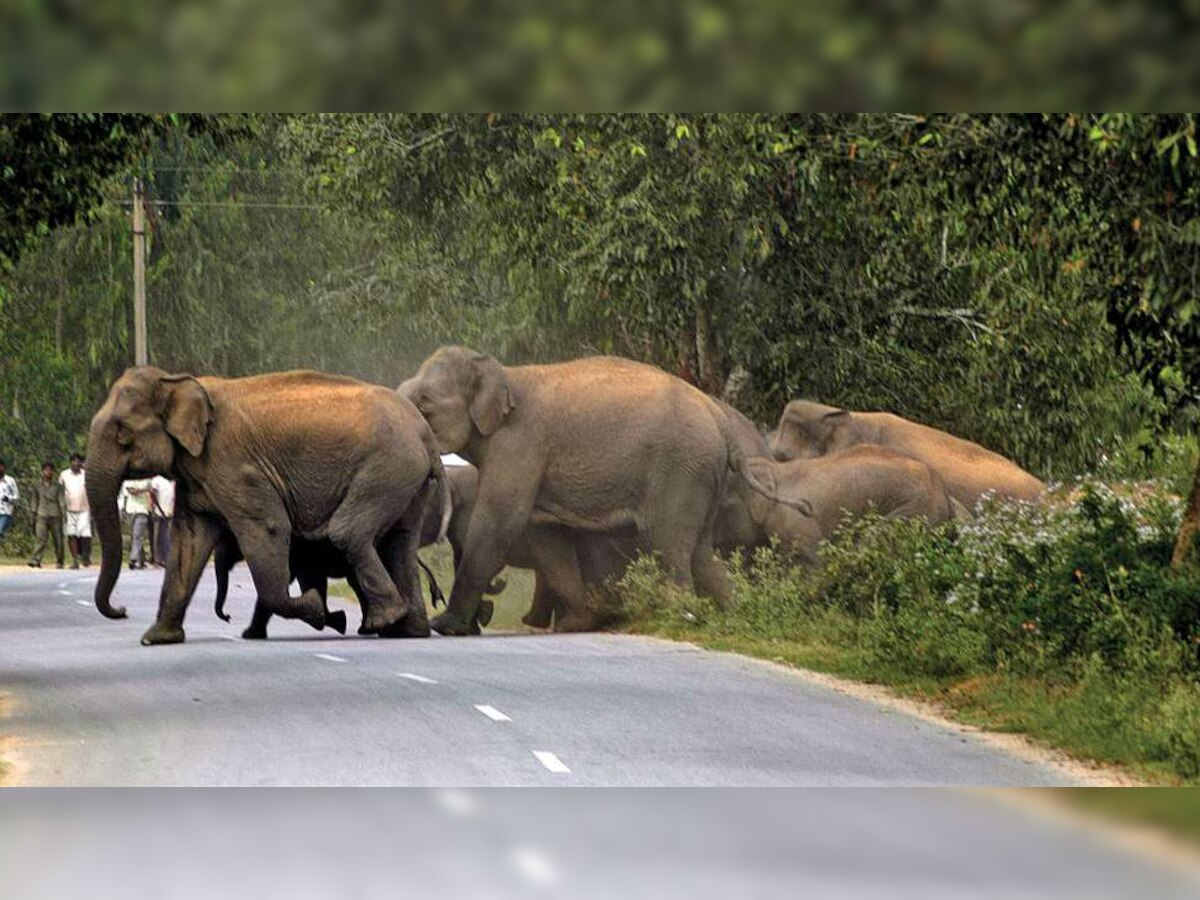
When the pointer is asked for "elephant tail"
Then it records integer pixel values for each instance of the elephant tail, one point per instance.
(740, 464)
(443, 484)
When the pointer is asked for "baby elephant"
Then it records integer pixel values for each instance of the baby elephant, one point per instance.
(855, 481)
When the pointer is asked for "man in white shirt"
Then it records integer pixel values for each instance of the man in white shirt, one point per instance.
(79, 520)
(9, 495)
(162, 508)
(137, 507)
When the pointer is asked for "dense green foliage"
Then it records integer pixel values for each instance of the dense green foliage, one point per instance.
(959, 270)
(1070, 611)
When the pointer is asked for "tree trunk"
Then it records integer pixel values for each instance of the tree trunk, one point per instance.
(1190, 524)
(687, 353)
(712, 377)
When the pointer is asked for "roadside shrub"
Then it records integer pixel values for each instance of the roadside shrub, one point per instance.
(1180, 723)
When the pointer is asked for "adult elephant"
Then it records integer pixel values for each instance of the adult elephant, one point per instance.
(808, 430)
(269, 457)
(595, 445)
(863, 478)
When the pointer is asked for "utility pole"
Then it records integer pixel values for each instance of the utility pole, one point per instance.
(140, 356)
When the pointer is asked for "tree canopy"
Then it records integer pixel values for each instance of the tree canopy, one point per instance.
(1025, 281)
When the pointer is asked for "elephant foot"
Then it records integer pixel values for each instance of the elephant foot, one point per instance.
(254, 632)
(162, 634)
(408, 627)
(336, 620)
(454, 626)
(498, 584)
(580, 621)
(376, 621)
(536, 618)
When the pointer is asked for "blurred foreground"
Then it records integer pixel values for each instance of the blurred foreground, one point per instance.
(651, 843)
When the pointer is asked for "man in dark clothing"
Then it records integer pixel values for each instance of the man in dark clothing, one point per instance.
(48, 506)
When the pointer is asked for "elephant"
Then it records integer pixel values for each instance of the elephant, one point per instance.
(312, 563)
(598, 557)
(854, 481)
(594, 445)
(269, 457)
(807, 429)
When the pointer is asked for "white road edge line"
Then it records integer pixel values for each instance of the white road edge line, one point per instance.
(492, 713)
(329, 656)
(551, 762)
(414, 677)
(228, 637)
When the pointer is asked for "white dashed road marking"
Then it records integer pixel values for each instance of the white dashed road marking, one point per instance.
(492, 713)
(412, 677)
(551, 762)
(65, 593)
(329, 656)
(84, 602)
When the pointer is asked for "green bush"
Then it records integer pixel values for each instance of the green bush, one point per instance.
(1062, 618)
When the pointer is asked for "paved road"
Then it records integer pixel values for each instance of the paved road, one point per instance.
(90, 706)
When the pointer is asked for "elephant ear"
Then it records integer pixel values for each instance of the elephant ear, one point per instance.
(492, 399)
(187, 411)
(835, 426)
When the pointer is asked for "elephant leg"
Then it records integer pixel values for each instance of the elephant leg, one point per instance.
(399, 551)
(265, 544)
(193, 538)
(312, 580)
(708, 574)
(556, 559)
(501, 513)
(541, 611)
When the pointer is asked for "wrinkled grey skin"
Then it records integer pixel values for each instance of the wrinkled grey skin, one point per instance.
(807, 429)
(595, 445)
(736, 528)
(591, 559)
(852, 482)
(268, 457)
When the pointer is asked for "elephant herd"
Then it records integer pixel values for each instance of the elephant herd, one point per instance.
(576, 468)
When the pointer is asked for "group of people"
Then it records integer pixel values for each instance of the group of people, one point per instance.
(60, 509)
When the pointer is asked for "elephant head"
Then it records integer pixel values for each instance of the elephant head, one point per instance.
(149, 418)
(463, 395)
(807, 430)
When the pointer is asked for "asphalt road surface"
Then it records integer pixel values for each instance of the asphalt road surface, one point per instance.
(91, 706)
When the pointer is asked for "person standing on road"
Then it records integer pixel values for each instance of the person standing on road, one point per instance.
(47, 513)
(137, 507)
(79, 524)
(9, 495)
(162, 508)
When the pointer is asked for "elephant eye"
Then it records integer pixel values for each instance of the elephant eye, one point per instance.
(123, 434)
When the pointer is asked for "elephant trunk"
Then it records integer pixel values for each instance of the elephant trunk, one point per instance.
(102, 488)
